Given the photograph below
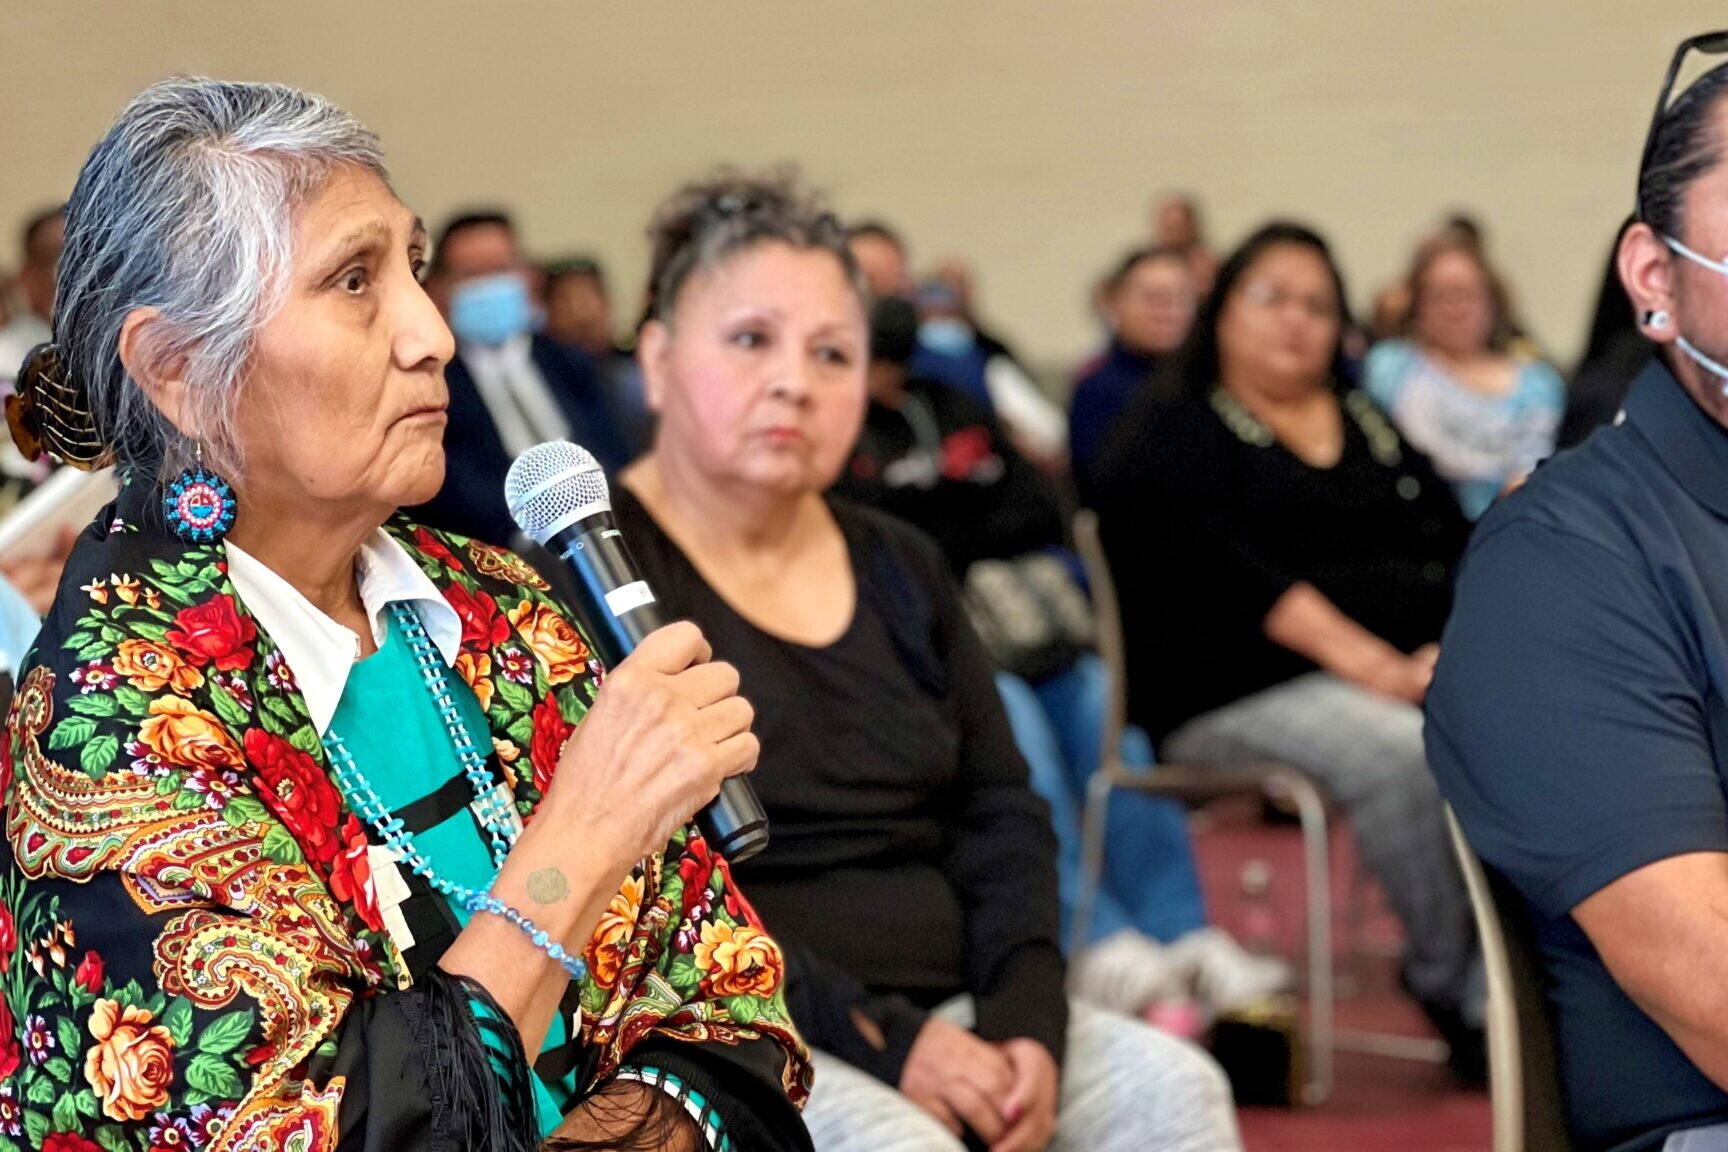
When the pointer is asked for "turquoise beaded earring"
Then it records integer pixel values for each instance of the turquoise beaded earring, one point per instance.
(199, 505)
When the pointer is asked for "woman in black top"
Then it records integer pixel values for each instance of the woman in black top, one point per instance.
(910, 873)
(1286, 563)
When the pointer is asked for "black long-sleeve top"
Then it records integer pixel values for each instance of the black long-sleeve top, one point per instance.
(941, 462)
(908, 860)
(1207, 520)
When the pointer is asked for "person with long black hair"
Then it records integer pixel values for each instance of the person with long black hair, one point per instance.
(1286, 560)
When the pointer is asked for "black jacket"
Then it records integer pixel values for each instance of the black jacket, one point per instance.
(471, 503)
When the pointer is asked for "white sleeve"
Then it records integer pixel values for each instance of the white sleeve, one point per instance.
(1024, 409)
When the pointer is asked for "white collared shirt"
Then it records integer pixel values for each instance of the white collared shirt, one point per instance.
(318, 650)
(515, 393)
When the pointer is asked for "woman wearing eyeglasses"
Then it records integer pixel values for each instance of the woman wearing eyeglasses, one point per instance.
(1456, 385)
(1289, 561)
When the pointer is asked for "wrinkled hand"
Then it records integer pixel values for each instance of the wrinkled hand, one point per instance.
(1031, 1105)
(959, 1079)
(666, 729)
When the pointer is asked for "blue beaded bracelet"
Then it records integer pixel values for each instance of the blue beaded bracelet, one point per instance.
(479, 902)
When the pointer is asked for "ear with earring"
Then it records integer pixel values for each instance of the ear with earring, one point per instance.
(199, 504)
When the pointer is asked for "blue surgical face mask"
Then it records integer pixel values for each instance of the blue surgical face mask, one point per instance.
(1709, 365)
(490, 310)
(949, 336)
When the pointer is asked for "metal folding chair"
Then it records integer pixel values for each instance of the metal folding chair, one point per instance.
(1523, 1068)
(1196, 785)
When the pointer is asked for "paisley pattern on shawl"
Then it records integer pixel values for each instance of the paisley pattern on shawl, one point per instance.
(186, 912)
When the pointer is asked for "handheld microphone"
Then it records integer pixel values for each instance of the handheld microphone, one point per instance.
(557, 494)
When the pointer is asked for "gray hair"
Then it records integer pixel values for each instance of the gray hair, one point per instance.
(186, 206)
(706, 222)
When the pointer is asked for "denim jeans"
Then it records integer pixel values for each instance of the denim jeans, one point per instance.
(1150, 883)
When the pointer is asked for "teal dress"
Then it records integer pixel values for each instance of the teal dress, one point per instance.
(392, 730)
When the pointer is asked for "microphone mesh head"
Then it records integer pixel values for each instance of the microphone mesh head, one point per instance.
(553, 485)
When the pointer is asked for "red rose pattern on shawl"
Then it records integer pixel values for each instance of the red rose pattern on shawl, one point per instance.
(215, 632)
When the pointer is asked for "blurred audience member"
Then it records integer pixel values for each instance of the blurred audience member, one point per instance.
(937, 458)
(42, 237)
(1389, 313)
(881, 257)
(1454, 387)
(510, 388)
(910, 874)
(1465, 229)
(20, 620)
(579, 307)
(956, 275)
(953, 350)
(1148, 303)
(579, 313)
(1577, 718)
(949, 350)
(1176, 224)
(1615, 353)
(1286, 563)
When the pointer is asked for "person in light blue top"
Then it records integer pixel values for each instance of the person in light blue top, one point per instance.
(1458, 386)
(19, 624)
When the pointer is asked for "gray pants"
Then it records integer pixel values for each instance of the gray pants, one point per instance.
(1365, 750)
(1711, 1139)
(1125, 1088)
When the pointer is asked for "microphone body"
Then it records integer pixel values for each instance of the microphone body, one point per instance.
(617, 610)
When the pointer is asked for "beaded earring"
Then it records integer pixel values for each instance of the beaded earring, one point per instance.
(199, 505)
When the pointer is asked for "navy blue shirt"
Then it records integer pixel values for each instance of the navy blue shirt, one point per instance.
(1578, 722)
(1099, 397)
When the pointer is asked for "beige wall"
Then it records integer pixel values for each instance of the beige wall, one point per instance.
(1026, 135)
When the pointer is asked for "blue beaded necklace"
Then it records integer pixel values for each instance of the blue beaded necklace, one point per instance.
(497, 814)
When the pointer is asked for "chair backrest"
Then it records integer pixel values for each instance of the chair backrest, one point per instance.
(1523, 1069)
(1107, 622)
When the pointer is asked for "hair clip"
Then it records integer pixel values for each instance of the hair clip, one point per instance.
(48, 413)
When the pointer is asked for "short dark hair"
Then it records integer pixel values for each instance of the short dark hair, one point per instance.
(893, 330)
(706, 222)
(1466, 227)
(1195, 369)
(473, 218)
(1135, 257)
(1686, 146)
(878, 229)
(31, 234)
(575, 268)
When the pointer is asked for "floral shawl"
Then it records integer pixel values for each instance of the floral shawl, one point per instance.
(191, 955)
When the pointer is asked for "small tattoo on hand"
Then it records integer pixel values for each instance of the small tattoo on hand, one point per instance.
(547, 886)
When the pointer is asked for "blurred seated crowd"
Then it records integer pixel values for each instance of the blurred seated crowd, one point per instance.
(1284, 498)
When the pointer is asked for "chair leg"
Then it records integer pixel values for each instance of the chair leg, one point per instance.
(1094, 826)
(1311, 811)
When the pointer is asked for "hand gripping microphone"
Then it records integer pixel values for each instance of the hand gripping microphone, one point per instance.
(557, 494)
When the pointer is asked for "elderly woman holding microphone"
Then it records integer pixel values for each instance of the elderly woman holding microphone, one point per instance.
(320, 829)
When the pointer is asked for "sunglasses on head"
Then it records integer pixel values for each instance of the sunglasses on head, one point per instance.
(1708, 44)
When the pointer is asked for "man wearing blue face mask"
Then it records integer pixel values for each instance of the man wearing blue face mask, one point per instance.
(1578, 719)
(510, 387)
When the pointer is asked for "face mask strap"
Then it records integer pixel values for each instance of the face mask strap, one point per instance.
(1717, 370)
(1709, 365)
(1716, 266)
